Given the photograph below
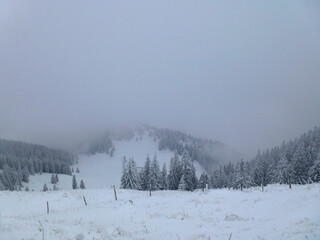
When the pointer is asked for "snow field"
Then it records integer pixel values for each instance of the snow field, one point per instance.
(100, 170)
(277, 213)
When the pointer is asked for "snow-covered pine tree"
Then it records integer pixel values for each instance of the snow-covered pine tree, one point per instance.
(25, 174)
(314, 172)
(300, 165)
(145, 175)
(45, 188)
(77, 170)
(242, 178)
(19, 174)
(183, 183)
(175, 173)
(230, 175)
(2, 187)
(203, 180)
(124, 176)
(154, 175)
(188, 173)
(57, 178)
(132, 179)
(285, 171)
(262, 172)
(163, 178)
(82, 186)
(74, 182)
(53, 179)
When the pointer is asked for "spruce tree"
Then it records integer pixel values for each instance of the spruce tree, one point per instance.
(203, 180)
(82, 186)
(154, 179)
(132, 179)
(45, 188)
(242, 179)
(300, 165)
(2, 187)
(145, 175)
(53, 179)
(124, 176)
(163, 178)
(314, 172)
(285, 171)
(74, 182)
(25, 174)
(188, 178)
(175, 173)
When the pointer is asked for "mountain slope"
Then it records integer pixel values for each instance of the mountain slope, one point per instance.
(102, 170)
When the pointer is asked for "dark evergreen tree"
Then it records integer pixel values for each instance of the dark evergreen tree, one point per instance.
(163, 178)
(25, 174)
(2, 187)
(242, 178)
(188, 180)
(145, 175)
(175, 173)
(82, 186)
(203, 180)
(53, 179)
(124, 176)
(74, 182)
(154, 179)
(45, 188)
(132, 179)
(314, 172)
(300, 164)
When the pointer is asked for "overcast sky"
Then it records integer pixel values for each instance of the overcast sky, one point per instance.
(246, 73)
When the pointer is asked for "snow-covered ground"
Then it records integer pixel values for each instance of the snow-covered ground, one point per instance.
(277, 213)
(101, 170)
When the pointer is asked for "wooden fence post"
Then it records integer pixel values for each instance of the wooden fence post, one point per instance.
(47, 207)
(115, 193)
(84, 199)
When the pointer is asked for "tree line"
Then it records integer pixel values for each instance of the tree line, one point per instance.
(181, 174)
(294, 162)
(19, 160)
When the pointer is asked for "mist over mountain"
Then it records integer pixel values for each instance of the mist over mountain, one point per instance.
(245, 73)
(210, 154)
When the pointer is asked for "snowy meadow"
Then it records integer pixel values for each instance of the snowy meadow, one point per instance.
(276, 213)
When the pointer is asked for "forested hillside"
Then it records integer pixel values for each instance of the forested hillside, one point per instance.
(18, 160)
(294, 162)
(208, 153)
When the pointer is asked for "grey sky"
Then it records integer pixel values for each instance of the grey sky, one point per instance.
(246, 73)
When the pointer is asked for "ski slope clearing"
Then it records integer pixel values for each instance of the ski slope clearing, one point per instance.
(277, 213)
(101, 171)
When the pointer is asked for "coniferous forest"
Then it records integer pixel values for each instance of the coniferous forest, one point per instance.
(19, 160)
(294, 162)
